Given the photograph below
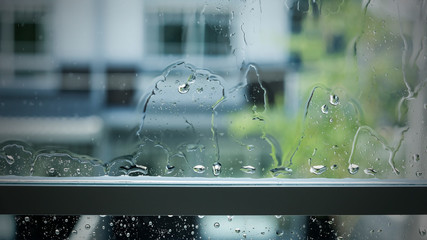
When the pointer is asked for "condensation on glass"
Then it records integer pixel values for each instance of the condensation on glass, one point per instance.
(244, 89)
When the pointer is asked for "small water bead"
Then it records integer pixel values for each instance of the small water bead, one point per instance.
(199, 169)
(318, 169)
(57, 231)
(334, 100)
(127, 234)
(416, 157)
(418, 174)
(353, 168)
(217, 225)
(74, 232)
(199, 90)
(370, 171)
(279, 233)
(237, 230)
(184, 88)
(230, 218)
(27, 219)
(334, 167)
(87, 226)
(248, 169)
(325, 109)
(250, 147)
(51, 170)
(216, 168)
(10, 159)
(422, 231)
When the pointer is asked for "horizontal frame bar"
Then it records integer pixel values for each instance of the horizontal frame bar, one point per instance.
(204, 196)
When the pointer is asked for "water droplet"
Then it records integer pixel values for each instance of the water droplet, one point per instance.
(57, 231)
(200, 90)
(237, 230)
(279, 233)
(334, 99)
(27, 219)
(184, 88)
(74, 232)
(10, 159)
(250, 147)
(334, 167)
(370, 171)
(201, 216)
(169, 169)
(353, 168)
(216, 168)
(111, 224)
(138, 170)
(325, 109)
(51, 170)
(230, 218)
(87, 226)
(281, 171)
(418, 174)
(278, 216)
(422, 231)
(199, 169)
(416, 157)
(191, 78)
(127, 234)
(248, 169)
(318, 169)
(425, 105)
(216, 224)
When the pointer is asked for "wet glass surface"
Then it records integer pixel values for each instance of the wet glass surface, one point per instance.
(214, 89)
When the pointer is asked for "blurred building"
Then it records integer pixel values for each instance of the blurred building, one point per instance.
(72, 72)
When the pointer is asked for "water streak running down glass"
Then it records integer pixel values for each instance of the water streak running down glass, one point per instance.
(214, 89)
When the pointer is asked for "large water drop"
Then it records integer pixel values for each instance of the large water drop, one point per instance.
(216, 168)
(353, 168)
(318, 169)
(248, 169)
(281, 171)
(184, 88)
(199, 169)
(334, 100)
(324, 109)
(370, 171)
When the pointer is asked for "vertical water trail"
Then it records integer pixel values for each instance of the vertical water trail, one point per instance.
(403, 66)
(310, 98)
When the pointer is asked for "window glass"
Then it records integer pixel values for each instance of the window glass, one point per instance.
(213, 89)
(214, 227)
(284, 89)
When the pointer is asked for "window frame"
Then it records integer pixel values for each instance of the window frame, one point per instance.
(210, 196)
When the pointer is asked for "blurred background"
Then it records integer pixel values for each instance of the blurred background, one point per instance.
(309, 85)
